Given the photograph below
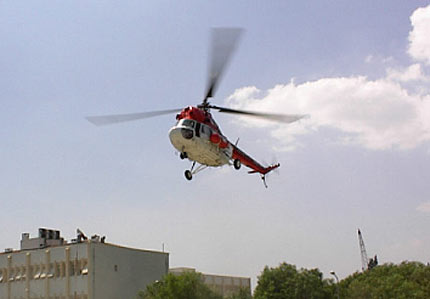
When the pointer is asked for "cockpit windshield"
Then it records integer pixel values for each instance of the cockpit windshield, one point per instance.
(188, 123)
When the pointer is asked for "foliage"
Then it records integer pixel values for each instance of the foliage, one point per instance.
(242, 294)
(286, 282)
(185, 286)
(407, 280)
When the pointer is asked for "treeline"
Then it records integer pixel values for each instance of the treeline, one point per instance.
(405, 280)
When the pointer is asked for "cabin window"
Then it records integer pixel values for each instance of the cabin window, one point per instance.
(206, 130)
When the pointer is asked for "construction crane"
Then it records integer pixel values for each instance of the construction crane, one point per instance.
(366, 263)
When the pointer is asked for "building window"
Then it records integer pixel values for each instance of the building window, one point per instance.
(77, 267)
(37, 270)
(63, 269)
(43, 271)
(11, 275)
(23, 272)
(2, 275)
(17, 274)
(30, 272)
(84, 267)
(57, 269)
(50, 271)
(71, 268)
(218, 280)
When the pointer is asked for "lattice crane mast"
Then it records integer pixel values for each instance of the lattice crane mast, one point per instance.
(366, 263)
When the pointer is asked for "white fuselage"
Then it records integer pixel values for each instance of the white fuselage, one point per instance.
(193, 138)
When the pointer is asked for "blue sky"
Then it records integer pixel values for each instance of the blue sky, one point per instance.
(360, 69)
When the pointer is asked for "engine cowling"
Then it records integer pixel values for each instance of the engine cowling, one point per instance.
(223, 143)
(215, 138)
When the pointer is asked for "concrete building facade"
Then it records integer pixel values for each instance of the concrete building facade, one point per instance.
(221, 284)
(83, 269)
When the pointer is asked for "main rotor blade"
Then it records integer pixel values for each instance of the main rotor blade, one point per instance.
(118, 118)
(286, 118)
(224, 41)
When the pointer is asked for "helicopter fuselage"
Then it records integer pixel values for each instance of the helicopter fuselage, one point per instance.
(197, 137)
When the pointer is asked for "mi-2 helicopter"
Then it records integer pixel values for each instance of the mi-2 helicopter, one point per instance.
(196, 136)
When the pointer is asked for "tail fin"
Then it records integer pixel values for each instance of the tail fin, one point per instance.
(271, 167)
(266, 171)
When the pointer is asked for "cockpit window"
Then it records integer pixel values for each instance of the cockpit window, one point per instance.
(188, 123)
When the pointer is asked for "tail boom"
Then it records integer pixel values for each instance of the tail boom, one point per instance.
(251, 163)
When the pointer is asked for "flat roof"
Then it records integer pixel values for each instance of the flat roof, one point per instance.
(83, 242)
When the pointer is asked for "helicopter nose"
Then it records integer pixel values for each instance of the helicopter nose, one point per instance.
(176, 136)
(180, 134)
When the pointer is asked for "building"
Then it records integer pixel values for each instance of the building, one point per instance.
(86, 268)
(221, 284)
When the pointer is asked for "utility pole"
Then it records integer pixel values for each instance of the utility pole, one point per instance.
(337, 283)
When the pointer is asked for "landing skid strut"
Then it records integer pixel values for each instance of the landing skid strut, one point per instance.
(189, 173)
(263, 178)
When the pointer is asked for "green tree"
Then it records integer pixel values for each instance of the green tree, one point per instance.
(185, 286)
(285, 282)
(407, 280)
(242, 294)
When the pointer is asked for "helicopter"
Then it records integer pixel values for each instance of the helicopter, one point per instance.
(196, 135)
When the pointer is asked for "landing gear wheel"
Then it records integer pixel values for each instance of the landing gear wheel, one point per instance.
(188, 175)
(183, 156)
(237, 164)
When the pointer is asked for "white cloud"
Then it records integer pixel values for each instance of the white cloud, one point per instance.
(376, 114)
(424, 207)
(419, 37)
(369, 59)
(412, 73)
(391, 112)
(378, 59)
